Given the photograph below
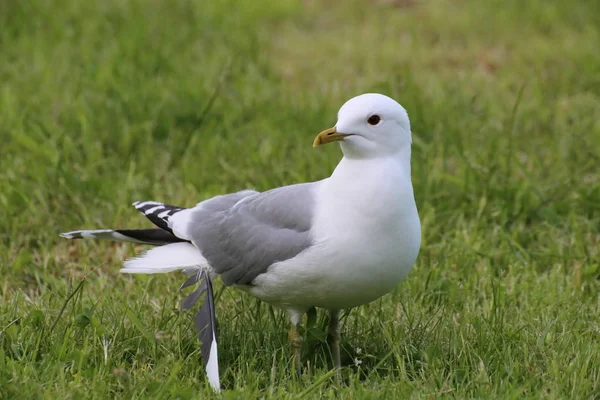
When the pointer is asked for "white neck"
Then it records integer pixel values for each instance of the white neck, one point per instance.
(361, 164)
(353, 197)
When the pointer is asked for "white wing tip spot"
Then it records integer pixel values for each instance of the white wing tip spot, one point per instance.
(140, 204)
(164, 214)
(153, 209)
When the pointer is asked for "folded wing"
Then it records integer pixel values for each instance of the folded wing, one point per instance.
(242, 240)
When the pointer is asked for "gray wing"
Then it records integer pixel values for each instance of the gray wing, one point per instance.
(242, 240)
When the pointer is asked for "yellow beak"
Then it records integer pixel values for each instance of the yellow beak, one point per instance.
(328, 136)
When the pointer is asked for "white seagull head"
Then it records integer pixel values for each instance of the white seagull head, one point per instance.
(369, 125)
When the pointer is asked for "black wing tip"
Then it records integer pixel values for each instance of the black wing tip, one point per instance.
(158, 213)
(150, 235)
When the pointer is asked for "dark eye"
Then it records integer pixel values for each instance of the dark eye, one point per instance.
(374, 119)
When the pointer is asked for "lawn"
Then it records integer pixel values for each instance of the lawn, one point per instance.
(105, 102)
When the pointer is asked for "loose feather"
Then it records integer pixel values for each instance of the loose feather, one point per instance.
(206, 327)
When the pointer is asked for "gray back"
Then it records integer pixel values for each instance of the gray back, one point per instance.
(242, 239)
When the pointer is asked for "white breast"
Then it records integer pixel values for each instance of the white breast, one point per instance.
(367, 236)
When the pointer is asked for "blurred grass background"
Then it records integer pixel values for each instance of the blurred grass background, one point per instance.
(103, 103)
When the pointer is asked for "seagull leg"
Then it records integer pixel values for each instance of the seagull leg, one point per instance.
(296, 340)
(333, 340)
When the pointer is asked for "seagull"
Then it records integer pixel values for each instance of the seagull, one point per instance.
(335, 244)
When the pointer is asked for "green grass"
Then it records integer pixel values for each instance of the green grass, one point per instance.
(106, 102)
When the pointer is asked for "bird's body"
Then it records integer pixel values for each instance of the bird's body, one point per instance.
(358, 254)
(336, 244)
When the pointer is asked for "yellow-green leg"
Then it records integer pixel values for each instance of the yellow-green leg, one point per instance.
(333, 339)
(296, 340)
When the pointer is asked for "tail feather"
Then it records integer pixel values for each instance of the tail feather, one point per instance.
(171, 257)
(172, 254)
(144, 236)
